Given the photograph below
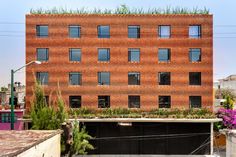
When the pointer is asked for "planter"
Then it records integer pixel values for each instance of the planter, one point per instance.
(219, 140)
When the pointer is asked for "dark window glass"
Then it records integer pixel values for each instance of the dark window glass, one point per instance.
(164, 55)
(164, 31)
(164, 78)
(46, 98)
(42, 31)
(42, 54)
(164, 101)
(195, 55)
(74, 31)
(134, 101)
(103, 31)
(134, 31)
(75, 78)
(104, 55)
(195, 78)
(134, 55)
(103, 101)
(75, 55)
(195, 31)
(42, 78)
(104, 78)
(133, 78)
(75, 101)
(195, 101)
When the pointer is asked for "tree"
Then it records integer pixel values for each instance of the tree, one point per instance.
(228, 95)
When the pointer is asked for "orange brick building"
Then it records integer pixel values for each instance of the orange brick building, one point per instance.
(143, 61)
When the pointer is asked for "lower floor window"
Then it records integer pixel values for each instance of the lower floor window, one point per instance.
(164, 101)
(134, 101)
(75, 101)
(195, 101)
(103, 101)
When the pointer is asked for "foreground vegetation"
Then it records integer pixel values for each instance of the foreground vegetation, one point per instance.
(123, 9)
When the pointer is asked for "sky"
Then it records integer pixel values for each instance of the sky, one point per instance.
(12, 29)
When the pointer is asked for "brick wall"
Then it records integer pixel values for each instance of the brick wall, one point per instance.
(59, 65)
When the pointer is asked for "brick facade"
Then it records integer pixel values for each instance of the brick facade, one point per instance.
(59, 66)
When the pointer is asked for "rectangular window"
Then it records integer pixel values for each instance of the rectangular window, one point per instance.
(195, 101)
(133, 55)
(195, 55)
(42, 78)
(104, 55)
(42, 54)
(75, 78)
(163, 55)
(133, 78)
(164, 78)
(74, 31)
(164, 101)
(103, 31)
(195, 31)
(104, 78)
(103, 101)
(75, 54)
(46, 99)
(164, 31)
(134, 101)
(75, 101)
(42, 31)
(195, 78)
(133, 31)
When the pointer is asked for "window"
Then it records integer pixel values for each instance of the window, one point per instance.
(104, 55)
(46, 99)
(75, 55)
(42, 78)
(104, 78)
(75, 78)
(164, 31)
(164, 78)
(134, 101)
(42, 54)
(163, 55)
(133, 78)
(194, 55)
(42, 31)
(195, 78)
(74, 31)
(195, 31)
(103, 31)
(195, 101)
(133, 55)
(164, 101)
(133, 31)
(103, 101)
(75, 101)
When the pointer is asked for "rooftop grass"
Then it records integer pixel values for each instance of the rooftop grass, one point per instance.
(122, 9)
(138, 113)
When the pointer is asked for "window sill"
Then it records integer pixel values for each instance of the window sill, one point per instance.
(163, 62)
(103, 62)
(195, 62)
(70, 85)
(134, 62)
(75, 61)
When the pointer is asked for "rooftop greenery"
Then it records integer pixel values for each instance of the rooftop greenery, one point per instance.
(137, 113)
(122, 9)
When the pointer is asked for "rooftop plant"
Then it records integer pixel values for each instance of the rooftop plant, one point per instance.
(122, 9)
(229, 118)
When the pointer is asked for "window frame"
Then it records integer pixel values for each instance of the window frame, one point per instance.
(194, 82)
(162, 36)
(138, 78)
(100, 33)
(107, 57)
(168, 54)
(199, 32)
(38, 34)
(79, 78)
(135, 97)
(135, 50)
(79, 31)
(38, 78)
(191, 55)
(164, 104)
(99, 75)
(47, 54)
(195, 106)
(166, 83)
(75, 97)
(107, 104)
(71, 55)
(138, 32)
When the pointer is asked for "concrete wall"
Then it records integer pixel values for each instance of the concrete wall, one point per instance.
(231, 143)
(49, 148)
(59, 65)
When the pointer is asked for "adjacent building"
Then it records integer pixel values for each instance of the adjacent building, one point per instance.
(130, 61)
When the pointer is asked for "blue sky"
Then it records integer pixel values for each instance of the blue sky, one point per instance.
(12, 29)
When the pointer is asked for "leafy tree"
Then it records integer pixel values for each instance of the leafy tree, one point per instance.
(228, 95)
